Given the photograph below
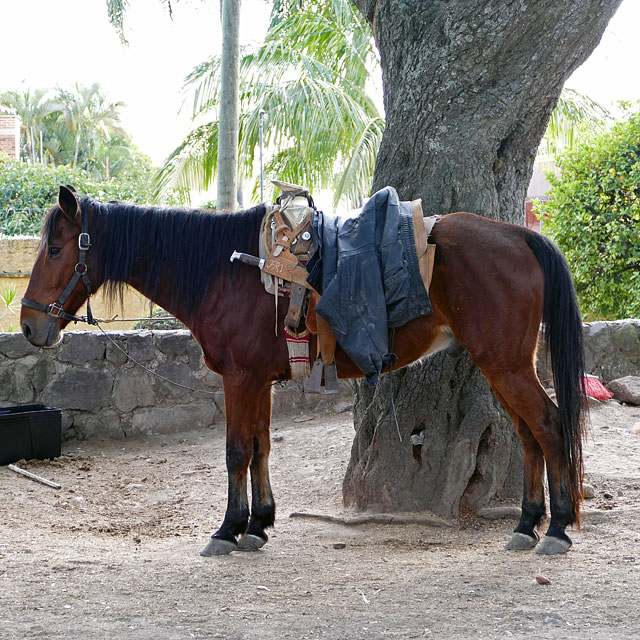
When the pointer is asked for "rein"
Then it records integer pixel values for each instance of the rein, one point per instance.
(153, 373)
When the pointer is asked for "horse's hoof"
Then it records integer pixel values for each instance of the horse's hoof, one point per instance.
(521, 542)
(218, 547)
(249, 542)
(552, 546)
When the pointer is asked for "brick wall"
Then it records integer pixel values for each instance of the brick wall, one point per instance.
(10, 135)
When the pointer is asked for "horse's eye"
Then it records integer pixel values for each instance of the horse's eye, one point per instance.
(54, 251)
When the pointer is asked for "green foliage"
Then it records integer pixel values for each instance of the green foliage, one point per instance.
(78, 127)
(160, 319)
(310, 79)
(28, 191)
(35, 108)
(116, 10)
(70, 137)
(575, 116)
(594, 217)
(8, 303)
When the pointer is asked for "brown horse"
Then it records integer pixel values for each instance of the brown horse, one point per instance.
(493, 284)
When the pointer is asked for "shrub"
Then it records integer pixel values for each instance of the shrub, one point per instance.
(161, 320)
(28, 191)
(594, 217)
(8, 303)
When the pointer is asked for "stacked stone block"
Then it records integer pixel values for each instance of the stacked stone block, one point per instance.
(103, 394)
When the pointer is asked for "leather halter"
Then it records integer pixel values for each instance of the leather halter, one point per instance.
(80, 272)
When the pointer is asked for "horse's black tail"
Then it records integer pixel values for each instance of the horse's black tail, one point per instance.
(564, 340)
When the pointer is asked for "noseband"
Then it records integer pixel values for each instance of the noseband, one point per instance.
(80, 272)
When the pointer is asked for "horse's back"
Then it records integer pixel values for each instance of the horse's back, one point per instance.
(479, 236)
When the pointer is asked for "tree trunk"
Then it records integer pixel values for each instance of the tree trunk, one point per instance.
(76, 149)
(470, 450)
(229, 106)
(32, 137)
(469, 87)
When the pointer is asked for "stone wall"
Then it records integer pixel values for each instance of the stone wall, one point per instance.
(103, 394)
(612, 349)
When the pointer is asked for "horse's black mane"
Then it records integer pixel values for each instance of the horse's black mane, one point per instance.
(184, 249)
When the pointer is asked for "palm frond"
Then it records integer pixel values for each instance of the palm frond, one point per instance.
(309, 77)
(573, 112)
(355, 181)
(193, 164)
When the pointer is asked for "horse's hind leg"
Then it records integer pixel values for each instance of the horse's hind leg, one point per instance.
(533, 504)
(263, 509)
(242, 400)
(524, 394)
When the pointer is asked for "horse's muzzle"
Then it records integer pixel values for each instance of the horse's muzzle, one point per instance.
(40, 332)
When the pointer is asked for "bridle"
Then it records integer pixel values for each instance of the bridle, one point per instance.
(80, 272)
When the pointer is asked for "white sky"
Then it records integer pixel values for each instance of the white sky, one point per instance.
(47, 43)
(611, 72)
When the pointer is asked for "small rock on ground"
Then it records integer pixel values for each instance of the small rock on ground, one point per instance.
(626, 389)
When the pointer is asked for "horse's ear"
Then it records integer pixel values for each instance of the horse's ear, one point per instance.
(71, 188)
(68, 202)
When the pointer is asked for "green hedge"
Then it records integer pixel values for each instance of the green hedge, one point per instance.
(27, 192)
(594, 217)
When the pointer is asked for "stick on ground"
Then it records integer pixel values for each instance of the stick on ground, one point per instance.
(33, 476)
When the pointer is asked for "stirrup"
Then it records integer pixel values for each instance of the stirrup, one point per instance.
(314, 383)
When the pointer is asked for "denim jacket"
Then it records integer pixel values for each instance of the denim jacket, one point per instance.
(366, 269)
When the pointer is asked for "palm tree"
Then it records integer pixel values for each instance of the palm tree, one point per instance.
(229, 105)
(310, 78)
(90, 116)
(33, 107)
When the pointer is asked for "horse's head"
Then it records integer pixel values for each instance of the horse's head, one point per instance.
(59, 282)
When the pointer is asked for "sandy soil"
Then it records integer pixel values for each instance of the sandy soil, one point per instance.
(114, 553)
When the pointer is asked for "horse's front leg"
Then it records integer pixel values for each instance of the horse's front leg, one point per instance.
(263, 508)
(243, 398)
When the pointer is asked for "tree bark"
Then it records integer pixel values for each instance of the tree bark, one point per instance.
(229, 106)
(470, 449)
(469, 86)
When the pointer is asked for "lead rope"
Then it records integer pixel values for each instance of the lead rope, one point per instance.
(393, 358)
(153, 373)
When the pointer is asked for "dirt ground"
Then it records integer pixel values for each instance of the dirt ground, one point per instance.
(114, 553)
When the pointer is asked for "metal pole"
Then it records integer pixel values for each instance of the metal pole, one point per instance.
(33, 146)
(261, 117)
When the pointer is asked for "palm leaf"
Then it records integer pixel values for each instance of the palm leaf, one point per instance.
(573, 112)
(320, 121)
(355, 181)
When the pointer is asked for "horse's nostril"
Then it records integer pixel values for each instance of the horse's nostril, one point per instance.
(26, 330)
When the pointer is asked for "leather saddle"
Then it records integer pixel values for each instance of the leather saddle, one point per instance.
(287, 245)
